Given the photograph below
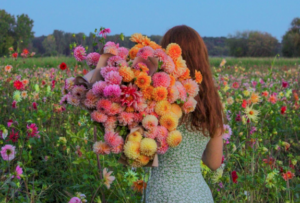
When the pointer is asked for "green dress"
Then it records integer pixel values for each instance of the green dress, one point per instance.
(178, 177)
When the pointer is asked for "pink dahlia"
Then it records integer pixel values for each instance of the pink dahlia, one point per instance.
(173, 94)
(98, 117)
(111, 123)
(113, 91)
(64, 99)
(162, 133)
(105, 70)
(92, 59)
(34, 105)
(114, 109)
(149, 122)
(104, 32)
(75, 200)
(161, 79)
(103, 105)
(189, 105)
(123, 52)
(126, 118)
(113, 139)
(73, 100)
(227, 132)
(160, 54)
(79, 53)
(150, 107)
(19, 172)
(69, 83)
(181, 90)
(8, 152)
(168, 65)
(32, 130)
(145, 52)
(130, 95)
(140, 106)
(191, 87)
(79, 91)
(162, 146)
(152, 133)
(14, 105)
(98, 88)
(116, 61)
(113, 78)
(118, 149)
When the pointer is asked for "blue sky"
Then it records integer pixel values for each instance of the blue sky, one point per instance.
(208, 17)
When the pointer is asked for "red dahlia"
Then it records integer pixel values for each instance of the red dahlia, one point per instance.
(15, 55)
(18, 85)
(63, 66)
(130, 95)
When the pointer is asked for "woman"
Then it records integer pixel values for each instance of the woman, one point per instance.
(178, 177)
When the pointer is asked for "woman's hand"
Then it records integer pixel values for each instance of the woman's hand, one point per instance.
(212, 155)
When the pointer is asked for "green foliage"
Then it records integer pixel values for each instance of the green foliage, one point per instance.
(14, 32)
(291, 40)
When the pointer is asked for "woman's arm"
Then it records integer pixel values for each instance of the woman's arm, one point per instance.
(212, 155)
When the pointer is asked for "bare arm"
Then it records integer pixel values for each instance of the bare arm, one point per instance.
(212, 156)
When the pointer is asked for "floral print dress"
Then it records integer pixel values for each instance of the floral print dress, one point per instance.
(178, 177)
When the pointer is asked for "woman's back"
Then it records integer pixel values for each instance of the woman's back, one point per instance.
(178, 177)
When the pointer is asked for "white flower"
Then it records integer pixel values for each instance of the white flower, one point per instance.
(4, 134)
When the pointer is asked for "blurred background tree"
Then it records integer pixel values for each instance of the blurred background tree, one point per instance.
(291, 40)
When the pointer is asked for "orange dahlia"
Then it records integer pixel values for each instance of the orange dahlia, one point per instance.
(139, 186)
(172, 81)
(169, 121)
(126, 73)
(143, 80)
(185, 75)
(147, 92)
(173, 50)
(154, 46)
(174, 138)
(129, 109)
(145, 41)
(143, 160)
(176, 109)
(136, 37)
(159, 93)
(198, 76)
(162, 107)
(134, 50)
(143, 67)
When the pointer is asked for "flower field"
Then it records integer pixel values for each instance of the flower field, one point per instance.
(47, 148)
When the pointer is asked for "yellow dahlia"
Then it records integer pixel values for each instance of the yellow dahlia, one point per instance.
(255, 98)
(162, 107)
(174, 138)
(143, 80)
(126, 73)
(159, 93)
(176, 109)
(132, 149)
(148, 146)
(173, 50)
(251, 113)
(135, 137)
(169, 121)
(136, 37)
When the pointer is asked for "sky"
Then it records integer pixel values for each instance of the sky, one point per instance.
(211, 18)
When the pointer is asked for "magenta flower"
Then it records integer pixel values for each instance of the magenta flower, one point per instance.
(19, 171)
(227, 132)
(285, 84)
(75, 200)
(112, 91)
(92, 59)
(10, 122)
(8, 152)
(32, 130)
(34, 105)
(14, 105)
(79, 53)
(104, 32)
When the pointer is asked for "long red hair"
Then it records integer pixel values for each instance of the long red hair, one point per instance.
(208, 115)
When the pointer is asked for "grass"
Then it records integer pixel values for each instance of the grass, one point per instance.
(54, 61)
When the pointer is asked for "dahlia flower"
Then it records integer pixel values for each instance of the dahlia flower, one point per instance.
(161, 79)
(8, 68)
(8, 152)
(143, 80)
(123, 52)
(173, 94)
(98, 88)
(145, 52)
(79, 91)
(113, 78)
(104, 32)
(101, 148)
(79, 53)
(169, 121)
(17, 96)
(162, 146)
(162, 107)
(181, 90)
(98, 117)
(173, 50)
(75, 200)
(160, 54)
(113, 139)
(69, 83)
(72, 100)
(143, 160)
(113, 91)
(168, 65)
(132, 149)
(198, 77)
(32, 130)
(105, 70)
(116, 61)
(174, 138)
(227, 132)
(92, 59)
(108, 179)
(19, 172)
(148, 146)
(130, 95)
(149, 122)
(251, 113)
(189, 105)
(191, 87)
(135, 136)
(125, 118)
(126, 73)
(176, 109)
(151, 133)
(159, 93)
(63, 66)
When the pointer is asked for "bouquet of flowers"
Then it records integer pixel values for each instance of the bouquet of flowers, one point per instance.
(137, 96)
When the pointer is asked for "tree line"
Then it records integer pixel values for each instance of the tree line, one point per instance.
(17, 32)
